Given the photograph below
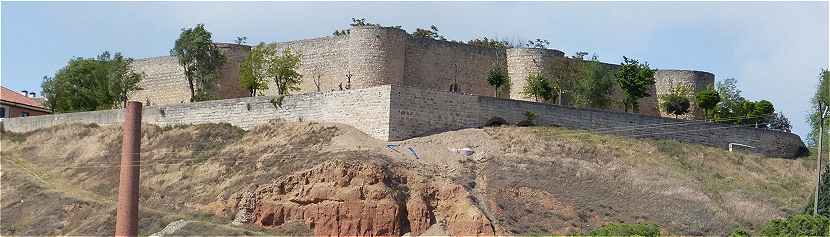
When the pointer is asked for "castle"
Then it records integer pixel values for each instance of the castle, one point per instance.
(396, 87)
(372, 55)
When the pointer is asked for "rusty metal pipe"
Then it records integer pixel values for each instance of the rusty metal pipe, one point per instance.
(126, 222)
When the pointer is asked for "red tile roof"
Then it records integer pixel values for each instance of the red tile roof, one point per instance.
(13, 97)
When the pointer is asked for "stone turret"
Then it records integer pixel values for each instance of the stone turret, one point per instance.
(692, 81)
(523, 62)
(376, 56)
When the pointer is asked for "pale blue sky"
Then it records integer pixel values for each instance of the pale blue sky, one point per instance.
(774, 49)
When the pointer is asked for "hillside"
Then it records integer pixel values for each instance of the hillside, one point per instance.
(311, 178)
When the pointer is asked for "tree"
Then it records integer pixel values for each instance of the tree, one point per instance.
(253, 75)
(538, 87)
(200, 59)
(595, 86)
(87, 84)
(283, 69)
(675, 104)
(489, 43)
(824, 199)
(538, 44)
(762, 112)
(797, 225)
(820, 100)
(498, 78)
(432, 33)
(564, 75)
(730, 100)
(780, 122)
(707, 100)
(122, 79)
(635, 79)
(241, 40)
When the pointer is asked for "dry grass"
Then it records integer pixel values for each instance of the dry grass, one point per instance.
(528, 180)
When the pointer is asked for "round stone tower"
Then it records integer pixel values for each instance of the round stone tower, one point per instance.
(523, 62)
(375, 56)
(690, 82)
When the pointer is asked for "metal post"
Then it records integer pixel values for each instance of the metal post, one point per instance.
(126, 222)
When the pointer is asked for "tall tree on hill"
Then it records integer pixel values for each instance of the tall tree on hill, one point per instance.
(593, 88)
(200, 58)
(635, 79)
(707, 100)
(564, 76)
(498, 78)
(253, 75)
(431, 33)
(820, 99)
(87, 84)
(283, 68)
(538, 87)
(122, 79)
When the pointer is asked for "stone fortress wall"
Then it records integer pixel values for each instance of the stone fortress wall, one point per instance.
(375, 56)
(164, 81)
(393, 113)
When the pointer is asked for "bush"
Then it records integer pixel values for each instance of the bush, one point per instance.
(797, 225)
(627, 230)
(739, 233)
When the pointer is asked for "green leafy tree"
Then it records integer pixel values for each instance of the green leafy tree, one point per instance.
(635, 79)
(431, 33)
(730, 100)
(797, 225)
(253, 75)
(498, 78)
(489, 43)
(820, 99)
(538, 44)
(87, 84)
(283, 69)
(707, 100)
(122, 79)
(538, 87)
(564, 76)
(824, 199)
(780, 122)
(200, 59)
(241, 40)
(595, 86)
(675, 104)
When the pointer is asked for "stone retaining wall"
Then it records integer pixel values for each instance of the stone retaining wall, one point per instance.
(393, 113)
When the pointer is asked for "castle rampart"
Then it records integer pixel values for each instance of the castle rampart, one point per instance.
(373, 55)
(393, 113)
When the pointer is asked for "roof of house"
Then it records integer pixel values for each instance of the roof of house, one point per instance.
(9, 96)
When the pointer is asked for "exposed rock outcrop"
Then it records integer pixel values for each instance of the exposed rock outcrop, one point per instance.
(358, 198)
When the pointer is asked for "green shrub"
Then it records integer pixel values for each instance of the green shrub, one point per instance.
(739, 233)
(627, 230)
(797, 225)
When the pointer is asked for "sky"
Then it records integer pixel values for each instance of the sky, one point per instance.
(775, 50)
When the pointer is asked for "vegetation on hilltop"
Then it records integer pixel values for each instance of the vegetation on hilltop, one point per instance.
(87, 84)
(200, 59)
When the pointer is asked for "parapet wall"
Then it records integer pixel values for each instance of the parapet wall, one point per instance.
(365, 109)
(395, 113)
(416, 112)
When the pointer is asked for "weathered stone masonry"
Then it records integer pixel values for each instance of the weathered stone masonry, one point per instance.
(392, 113)
(376, 56)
